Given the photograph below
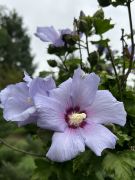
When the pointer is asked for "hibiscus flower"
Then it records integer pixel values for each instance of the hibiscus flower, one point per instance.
(17, 99)
(49, 34)
(77, 111)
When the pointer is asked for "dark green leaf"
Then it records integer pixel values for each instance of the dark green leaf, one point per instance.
(102, 42)
(104, 3)
(52, 63)
(102, 25)
(93, 58)
(119, 3)
(120, 166)
(99, 14)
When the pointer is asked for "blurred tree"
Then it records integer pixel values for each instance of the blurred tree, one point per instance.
(15, 52)
(15, 57)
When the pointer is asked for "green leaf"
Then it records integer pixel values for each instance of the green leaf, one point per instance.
(99, 14)
(122, 137)
(43, 170)
(89, 165)
(45, 73)
(102, 25)
(119, 3)
(52, 63)
(120, 166)
(93, 58)
(104, 3)
(71, 39)
(58, 51)
(102, 42)
(85, 25)
(72, 62)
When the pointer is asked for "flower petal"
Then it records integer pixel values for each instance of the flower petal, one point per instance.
(19, 90)
(27, 78)
(51, 113)
(16, 103)
(63, 94)
(65, 31)
(84, 88)
(66, 146)
(59, 43)
(106, 109)
(41, 86)
(31, 119)
(15, 110)
(47, 34)
(98, 137)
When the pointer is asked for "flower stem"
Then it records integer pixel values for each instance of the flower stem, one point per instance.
(63, 62)
(123, 52)
(132, 41)
(87, 45)
(20, 150)
(115, 71)
(81, 64)
(88, 52)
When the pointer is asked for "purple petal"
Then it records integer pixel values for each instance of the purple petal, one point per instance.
(66, 146)
(106, 109)
(31, 119)
(59, 43)
(5, 94)
(41, 86)
(47, 34)
(19, 90)
(17, 105)
(27, 78)
(84, 88)
(15, 110)
(98, 138)
(51, 113)
(65, 31)
(63, 94)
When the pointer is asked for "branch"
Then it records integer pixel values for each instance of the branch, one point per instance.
(132, 40)
(123, 51)
(115, 71)
(20, 150)
(87, 45)
(79, 43)
(63, 62)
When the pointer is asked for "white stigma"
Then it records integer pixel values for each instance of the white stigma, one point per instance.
(76, 118)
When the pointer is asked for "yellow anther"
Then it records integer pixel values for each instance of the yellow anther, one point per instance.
(76, 118)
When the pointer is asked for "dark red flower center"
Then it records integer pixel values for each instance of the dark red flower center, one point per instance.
(75, 118)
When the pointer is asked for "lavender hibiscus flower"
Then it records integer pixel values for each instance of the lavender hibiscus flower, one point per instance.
(76, 110)
(17, 100)
(49, 34)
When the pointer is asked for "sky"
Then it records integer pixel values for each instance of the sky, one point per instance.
(60, 14)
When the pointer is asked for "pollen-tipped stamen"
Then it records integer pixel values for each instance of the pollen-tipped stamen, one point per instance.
(75, 119)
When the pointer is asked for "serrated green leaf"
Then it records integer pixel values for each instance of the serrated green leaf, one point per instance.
(119, 166)
(99, 14)
(43, 170)
(122, 137)
(102, 25)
